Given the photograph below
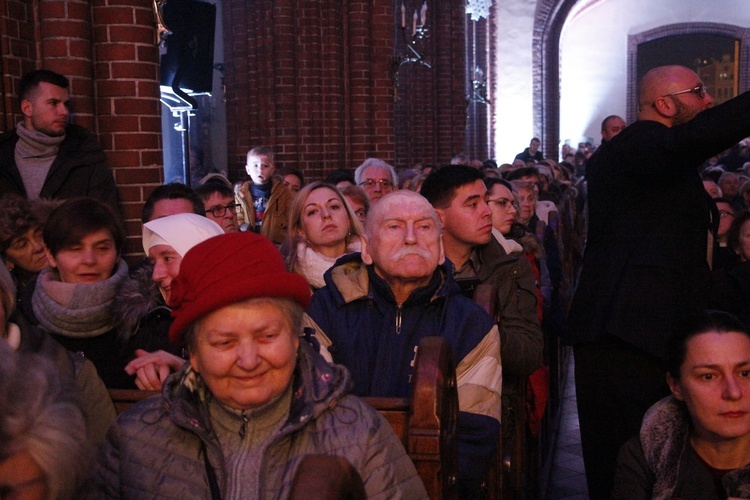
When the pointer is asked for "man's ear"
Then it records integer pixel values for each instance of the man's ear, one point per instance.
(26, 107)
(441, 216)
(366, 257)
(665, 106)
(674, 386)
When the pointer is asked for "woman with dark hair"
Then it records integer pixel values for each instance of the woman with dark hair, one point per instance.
(21, 243)
(696, 442)
(322, 228)
(72, 299)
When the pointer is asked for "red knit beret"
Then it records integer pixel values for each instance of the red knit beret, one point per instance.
(227, 269)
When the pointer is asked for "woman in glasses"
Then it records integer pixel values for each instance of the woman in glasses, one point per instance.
(322, 228)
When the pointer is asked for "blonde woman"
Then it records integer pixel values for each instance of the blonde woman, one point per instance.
(322, 228)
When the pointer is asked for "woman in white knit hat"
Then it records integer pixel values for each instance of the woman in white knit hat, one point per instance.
(165, 242)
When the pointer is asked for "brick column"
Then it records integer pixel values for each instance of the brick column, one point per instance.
(126, 85)
(19, 53)
(65, 47)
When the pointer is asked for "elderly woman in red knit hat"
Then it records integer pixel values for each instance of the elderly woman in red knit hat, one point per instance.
(254, 399)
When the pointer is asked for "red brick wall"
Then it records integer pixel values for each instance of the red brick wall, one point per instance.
(18, 44)
(126, 76)
(107, 50)
(431, 103)
(314, 80)
(301, 78)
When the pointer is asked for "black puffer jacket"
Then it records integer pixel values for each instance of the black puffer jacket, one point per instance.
(141, 316)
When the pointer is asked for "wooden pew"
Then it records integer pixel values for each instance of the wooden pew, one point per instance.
(426, 423)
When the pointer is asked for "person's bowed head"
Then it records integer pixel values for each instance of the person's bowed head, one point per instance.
(45, 452)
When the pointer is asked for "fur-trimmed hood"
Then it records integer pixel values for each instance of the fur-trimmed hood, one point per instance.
(665, 442)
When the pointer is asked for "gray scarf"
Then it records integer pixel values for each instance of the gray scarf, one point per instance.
(75, 310)
(34, 155)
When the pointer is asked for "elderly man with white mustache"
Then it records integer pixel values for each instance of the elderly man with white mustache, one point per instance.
(377, 306)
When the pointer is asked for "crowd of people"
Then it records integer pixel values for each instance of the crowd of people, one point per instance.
(263, 309)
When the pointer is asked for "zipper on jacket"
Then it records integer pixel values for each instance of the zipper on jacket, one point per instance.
(398, 320)
(243, 429)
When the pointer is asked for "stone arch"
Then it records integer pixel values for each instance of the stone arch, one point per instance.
(549, 20)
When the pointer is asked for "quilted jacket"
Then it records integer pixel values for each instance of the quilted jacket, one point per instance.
(159, 447)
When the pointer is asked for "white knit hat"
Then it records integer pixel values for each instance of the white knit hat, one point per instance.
(181, 231)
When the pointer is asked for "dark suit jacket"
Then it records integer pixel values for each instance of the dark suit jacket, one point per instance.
(645, 261)
(79, 169)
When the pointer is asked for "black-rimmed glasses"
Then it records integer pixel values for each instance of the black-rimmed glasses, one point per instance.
(221, 210)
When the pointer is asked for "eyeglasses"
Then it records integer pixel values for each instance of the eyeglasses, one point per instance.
(10, 491)
(725, 213)
(221, 210)
(370, 183)
(699, 90)
(503, 203)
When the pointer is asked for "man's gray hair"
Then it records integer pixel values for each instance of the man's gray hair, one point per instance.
(375, 162)
(41, 414)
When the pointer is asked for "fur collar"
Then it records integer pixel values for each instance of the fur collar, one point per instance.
(664, 440)
(137, 297)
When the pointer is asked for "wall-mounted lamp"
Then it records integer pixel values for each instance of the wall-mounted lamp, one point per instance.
(419, 32)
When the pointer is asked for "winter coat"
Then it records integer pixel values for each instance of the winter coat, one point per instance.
(356, 316)
(275, 218)
(100, 412)
(87, 309)
(661, 463)
(141, 316)
(520, 334)
(159, 448)
(79, 169)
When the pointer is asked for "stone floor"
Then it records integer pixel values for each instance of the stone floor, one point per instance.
(567, 479)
